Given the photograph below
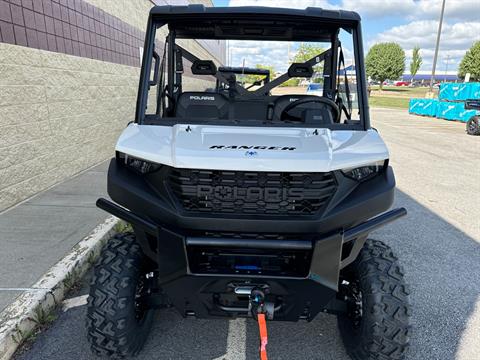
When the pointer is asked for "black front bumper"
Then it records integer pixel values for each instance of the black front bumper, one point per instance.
(194, 291)
(198, 272)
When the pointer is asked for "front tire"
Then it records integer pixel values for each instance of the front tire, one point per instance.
(377, 324)
(118, 322)
(473, 126)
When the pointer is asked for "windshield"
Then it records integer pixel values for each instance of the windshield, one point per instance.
(254, 82)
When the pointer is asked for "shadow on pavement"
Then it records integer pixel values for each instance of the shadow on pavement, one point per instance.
(442, 266)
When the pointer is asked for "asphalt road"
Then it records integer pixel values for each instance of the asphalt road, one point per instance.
(438, 170)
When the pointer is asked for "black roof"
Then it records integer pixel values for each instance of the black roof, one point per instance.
(254, 22)
(309, 12)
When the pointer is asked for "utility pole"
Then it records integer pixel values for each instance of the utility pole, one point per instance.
(432, 79)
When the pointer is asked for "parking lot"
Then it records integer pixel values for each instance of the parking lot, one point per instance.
(438, 170)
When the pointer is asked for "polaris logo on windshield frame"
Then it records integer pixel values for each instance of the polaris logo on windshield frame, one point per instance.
(252, 147)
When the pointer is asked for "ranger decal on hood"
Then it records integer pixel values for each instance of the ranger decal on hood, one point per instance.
(248, 147)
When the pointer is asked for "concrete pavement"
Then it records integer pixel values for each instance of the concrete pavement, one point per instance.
(36, 234)
(436, 163)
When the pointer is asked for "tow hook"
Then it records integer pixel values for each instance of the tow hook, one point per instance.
(261, 310)
(257, 301)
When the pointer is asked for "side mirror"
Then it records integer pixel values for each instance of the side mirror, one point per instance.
(204, 67)
(300, 70)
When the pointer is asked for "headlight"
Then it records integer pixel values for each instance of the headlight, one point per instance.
(138, 165)
(365, 172)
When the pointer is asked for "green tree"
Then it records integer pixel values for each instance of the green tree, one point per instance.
(416, 61)
(385, 61)
(471, 63)
(307, 51)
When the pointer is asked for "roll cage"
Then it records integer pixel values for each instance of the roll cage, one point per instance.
(247, 23)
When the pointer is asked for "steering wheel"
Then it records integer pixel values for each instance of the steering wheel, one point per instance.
(321, 100)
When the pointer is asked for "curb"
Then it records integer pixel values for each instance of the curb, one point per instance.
(18, 319)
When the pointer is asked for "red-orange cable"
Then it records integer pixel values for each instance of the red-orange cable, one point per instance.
(262, 327)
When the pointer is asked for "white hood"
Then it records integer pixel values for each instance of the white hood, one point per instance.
(252, 148)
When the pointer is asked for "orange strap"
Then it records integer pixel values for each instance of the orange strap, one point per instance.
(262, 327)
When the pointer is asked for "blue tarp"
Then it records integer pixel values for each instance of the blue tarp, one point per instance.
(427, 107)
(454, 111)
(465, 115)
(475, 91)
(448, 110)
(453, 91)
(459, 91)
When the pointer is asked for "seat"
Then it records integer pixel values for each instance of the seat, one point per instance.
(205, 105)
(284, 100)
(249, 109)
(310, 114)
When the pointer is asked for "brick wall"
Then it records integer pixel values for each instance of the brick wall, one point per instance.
(68, 80)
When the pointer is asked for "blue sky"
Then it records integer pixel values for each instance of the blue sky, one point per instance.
(407, 22)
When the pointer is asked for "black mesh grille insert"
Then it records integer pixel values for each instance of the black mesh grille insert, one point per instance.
(239, 192)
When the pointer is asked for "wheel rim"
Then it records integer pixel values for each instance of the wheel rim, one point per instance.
(472, 124)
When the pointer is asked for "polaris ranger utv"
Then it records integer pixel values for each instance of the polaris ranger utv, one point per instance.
(250, 203)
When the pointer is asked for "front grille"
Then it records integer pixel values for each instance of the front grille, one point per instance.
(254, 193)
